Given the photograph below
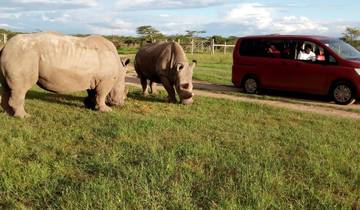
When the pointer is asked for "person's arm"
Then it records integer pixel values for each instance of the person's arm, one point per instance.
(312, 56)
(299, 57)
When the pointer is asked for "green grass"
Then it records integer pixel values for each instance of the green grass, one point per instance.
(127, 50)
(149, 154)
(213, 68)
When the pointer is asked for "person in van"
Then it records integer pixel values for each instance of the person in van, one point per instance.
(272, 51)
(320, 56)
(307, 54)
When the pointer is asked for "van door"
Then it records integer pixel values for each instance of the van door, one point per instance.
(311, 75)
(279, 65)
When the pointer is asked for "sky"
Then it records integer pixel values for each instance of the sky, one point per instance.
(216, 17)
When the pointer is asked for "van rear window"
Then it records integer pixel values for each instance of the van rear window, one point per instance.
(270, 48)
(250, 47)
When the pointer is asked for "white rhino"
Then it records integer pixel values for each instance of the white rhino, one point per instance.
(61, 64)
(166, 63)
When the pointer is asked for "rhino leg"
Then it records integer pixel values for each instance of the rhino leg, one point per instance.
(169, 89)
(5, 101)
(153, 87)
(144, 85)
(16, 102)
(102, 90)
(90, 100)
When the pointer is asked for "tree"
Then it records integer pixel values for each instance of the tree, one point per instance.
(148, 33)
(218, 39)
(192, 34)
(351, 35)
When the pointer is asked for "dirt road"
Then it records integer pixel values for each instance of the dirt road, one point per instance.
(232, 93)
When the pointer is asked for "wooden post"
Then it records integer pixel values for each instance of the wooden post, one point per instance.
(192, 46)
(5, 38)
(225, 48)
(213, 46)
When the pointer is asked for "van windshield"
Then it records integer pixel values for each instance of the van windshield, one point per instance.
(343, 49)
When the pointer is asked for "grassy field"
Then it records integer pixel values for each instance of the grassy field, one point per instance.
(127, 50)
(214, 154)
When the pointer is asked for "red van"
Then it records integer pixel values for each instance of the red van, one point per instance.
(309, 64)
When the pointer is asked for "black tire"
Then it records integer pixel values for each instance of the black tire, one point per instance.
(343, 93)
(250, 85)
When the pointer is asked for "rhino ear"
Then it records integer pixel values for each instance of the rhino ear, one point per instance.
(125, 61)
(194, 64)
(179, 67)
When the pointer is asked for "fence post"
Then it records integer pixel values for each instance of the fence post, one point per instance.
(5, 38)
(225, 48)
(213, 46)
(192, 46)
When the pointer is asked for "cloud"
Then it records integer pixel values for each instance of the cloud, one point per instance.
(48, 4)
(166, 4)
(251, 14)
(63, 18)
(293, 24)
(116, 26)
(259, 18)
(168, 16)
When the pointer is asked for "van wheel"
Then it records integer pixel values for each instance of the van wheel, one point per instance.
(343, 93)
(251, 85)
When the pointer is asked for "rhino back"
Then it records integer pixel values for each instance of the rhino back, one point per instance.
(64, 63)
(89, 55)
(155, 60)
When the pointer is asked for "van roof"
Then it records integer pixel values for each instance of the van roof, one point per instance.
(278, 36)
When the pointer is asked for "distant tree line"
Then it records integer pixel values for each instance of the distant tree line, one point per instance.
(9, 33)
(351, 36)
(150, 34)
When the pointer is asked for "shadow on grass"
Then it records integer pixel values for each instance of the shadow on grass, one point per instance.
(69, 100)
(298, 96)
(295, 95)
(137, 95)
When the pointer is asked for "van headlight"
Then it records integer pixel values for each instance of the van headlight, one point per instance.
(357, 71)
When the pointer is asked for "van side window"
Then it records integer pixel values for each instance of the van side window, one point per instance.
(246, 47)
(311, 52)
(269, 48)
(289, 51)
(273, 48)
(306, 51)
(252, 47)
(332, 59)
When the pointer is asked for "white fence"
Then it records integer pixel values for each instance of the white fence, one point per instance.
(225, 46)
(203, 46)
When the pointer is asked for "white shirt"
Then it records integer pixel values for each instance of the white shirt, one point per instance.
(304, 56)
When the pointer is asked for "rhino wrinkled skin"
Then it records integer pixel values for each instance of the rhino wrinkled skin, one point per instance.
(61, 64)
(166, 63)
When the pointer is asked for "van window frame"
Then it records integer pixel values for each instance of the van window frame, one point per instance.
(327, 53)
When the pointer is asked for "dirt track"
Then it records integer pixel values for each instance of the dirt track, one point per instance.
(230, 93)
